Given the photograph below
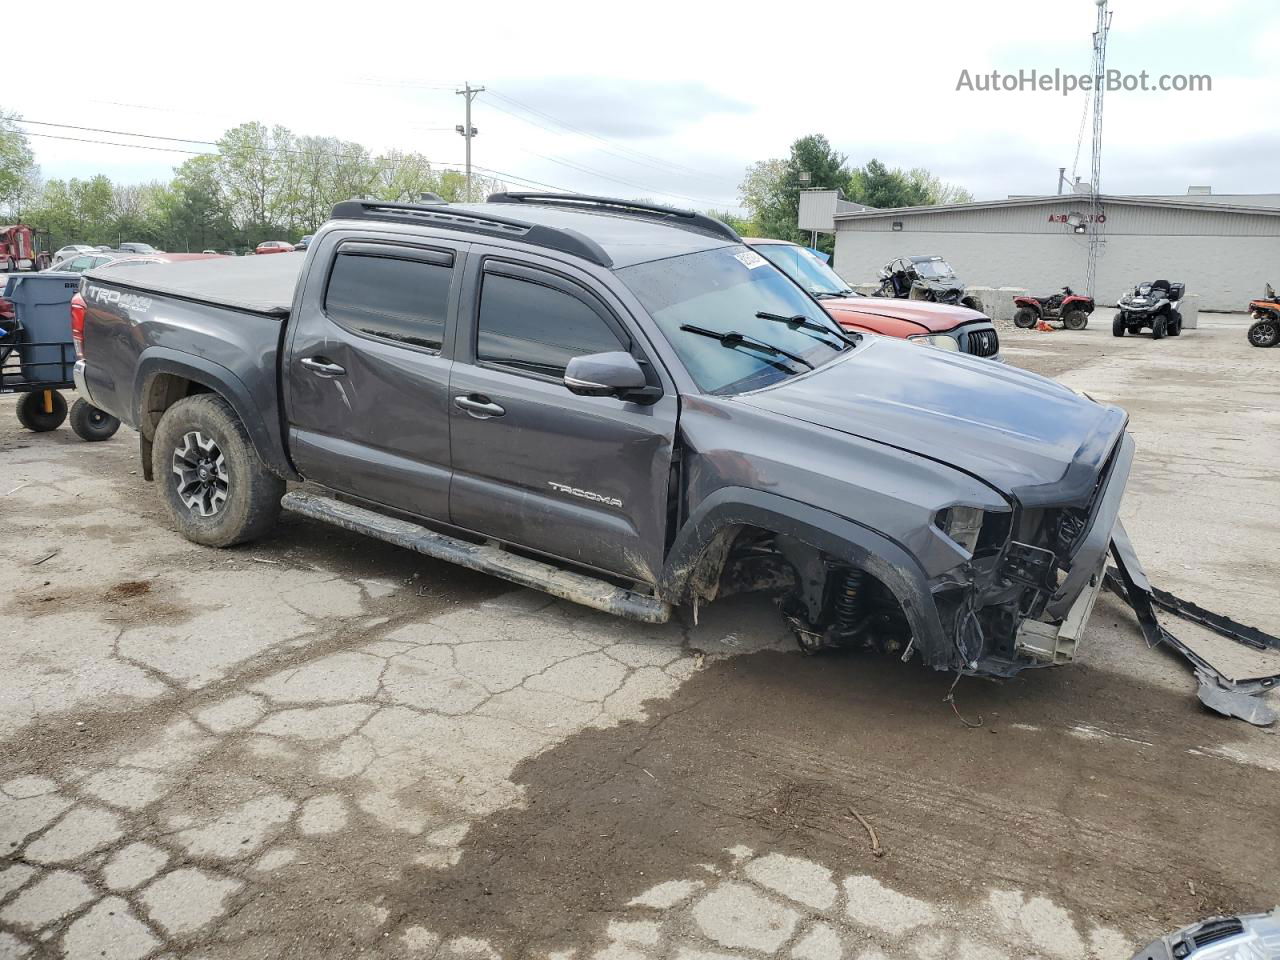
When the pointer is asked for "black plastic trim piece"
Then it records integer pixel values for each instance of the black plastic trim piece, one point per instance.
(690, 217)
(471, 221)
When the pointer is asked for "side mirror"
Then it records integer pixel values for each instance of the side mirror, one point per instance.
(614, 374)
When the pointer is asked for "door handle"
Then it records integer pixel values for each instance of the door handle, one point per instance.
(323, 368)
(478, 406)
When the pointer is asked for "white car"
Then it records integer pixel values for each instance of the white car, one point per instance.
(71, 250)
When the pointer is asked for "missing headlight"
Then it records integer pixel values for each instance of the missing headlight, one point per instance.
(962, 524)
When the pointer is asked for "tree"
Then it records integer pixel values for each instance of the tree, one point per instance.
(771, 188)
(19, 175)
(745, 226)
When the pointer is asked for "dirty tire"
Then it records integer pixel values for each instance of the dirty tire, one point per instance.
(251, 494)
(1075, 320)
(1175, 324)
(1025, 318)
(1265, 332)
(10, 266)
(92, 424)
(1117, 327)
(31, 412)
(1158, 328)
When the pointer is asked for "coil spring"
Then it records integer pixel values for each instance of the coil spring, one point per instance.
(848, 600)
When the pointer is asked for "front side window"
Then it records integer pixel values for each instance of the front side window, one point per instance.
(537, 328)
(721, 294)
(402, 300)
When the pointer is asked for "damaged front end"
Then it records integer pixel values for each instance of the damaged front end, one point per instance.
(1019, 599)
(1026, 604)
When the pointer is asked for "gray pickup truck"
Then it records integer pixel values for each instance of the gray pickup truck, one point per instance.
(623, 405)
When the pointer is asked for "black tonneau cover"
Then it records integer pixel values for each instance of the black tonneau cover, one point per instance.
(261, 284)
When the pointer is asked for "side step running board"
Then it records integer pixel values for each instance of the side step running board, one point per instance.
(580, 588)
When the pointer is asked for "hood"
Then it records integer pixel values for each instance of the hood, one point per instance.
(1022, 434)
(928, 317)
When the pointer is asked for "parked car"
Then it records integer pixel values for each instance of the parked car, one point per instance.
(919, 321)
(143, 248)
(303, 243)
(273, 246)
(69, 251)
(630, 394)
(90, 261)
(85, 261)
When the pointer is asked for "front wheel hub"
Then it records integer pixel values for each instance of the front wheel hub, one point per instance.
(200, 472)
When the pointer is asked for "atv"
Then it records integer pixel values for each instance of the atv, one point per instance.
(1155, 305)
(1071, 308)
(924, 278)
(1265, 330)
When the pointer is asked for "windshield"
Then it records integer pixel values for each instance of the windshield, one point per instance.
(935, 269)
(721, 291)
(805, 268)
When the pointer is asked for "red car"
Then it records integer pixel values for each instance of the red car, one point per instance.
(920, 321)
(274, 246)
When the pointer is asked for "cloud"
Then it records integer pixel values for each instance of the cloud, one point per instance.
(610, 107)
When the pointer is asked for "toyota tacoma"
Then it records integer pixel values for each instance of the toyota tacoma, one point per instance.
(620, 404)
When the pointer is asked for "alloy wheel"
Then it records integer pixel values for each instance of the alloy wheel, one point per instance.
(201, 472)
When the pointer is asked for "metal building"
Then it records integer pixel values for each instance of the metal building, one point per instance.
(1225, 248)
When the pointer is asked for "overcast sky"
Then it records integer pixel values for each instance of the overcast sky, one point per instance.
(664, 100)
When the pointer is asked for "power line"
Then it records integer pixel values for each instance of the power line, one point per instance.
(198, 153)
(261, 151)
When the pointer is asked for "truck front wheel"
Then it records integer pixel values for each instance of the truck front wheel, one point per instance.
(216, 488)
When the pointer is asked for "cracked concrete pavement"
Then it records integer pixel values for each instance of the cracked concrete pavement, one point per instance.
(324, 746)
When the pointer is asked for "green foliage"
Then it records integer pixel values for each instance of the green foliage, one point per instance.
(264, 183)
(771, 188)
(19, 175)
(745, 226)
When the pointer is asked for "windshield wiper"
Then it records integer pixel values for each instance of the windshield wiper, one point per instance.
(735, 339)
(806, 323)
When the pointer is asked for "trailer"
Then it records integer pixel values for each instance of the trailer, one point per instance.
(38, 355)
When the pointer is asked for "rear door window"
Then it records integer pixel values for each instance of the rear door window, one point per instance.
(401, 295)
(536, 323)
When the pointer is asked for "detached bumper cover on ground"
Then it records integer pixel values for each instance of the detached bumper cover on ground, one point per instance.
(1230, 683)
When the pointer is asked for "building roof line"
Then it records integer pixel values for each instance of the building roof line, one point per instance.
(1137, 201)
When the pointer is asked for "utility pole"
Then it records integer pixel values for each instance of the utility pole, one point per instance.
(467, 130)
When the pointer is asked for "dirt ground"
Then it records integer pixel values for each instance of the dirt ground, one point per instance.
(323, 746)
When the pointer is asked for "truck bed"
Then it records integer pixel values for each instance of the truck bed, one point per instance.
(260, 284)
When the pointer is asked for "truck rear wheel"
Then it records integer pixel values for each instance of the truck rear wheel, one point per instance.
(33, 416)
(92, 424)
(216, 488)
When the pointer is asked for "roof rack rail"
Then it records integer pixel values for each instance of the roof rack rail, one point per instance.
(691, 218)
(441, 215)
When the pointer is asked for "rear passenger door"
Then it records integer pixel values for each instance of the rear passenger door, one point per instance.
(367, 371)
(580, 478)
